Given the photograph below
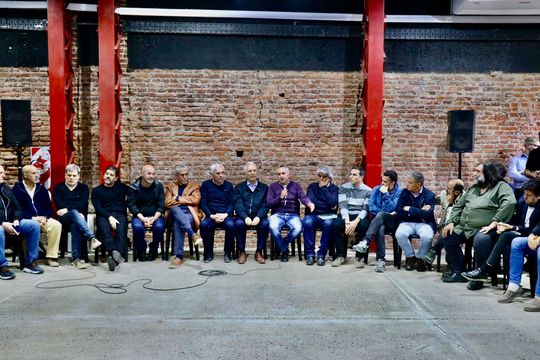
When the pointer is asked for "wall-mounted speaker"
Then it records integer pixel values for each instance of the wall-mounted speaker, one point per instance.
(16, 123)
(461, 125)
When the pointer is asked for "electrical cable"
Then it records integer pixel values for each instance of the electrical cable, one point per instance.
(118, 289)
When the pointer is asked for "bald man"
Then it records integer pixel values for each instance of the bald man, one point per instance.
(35, 201)
(146, 202)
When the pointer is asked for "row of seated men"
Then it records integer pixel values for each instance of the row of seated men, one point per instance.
(484, 213)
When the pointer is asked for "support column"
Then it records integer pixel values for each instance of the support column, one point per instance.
(110, 111)
(61, 109)
(372, 90)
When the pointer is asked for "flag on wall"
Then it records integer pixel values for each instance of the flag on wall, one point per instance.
(41, 159)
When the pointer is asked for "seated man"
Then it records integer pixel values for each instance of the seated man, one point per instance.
(516, 167)
(249, 199)
(217, 206)
(182, 199)
(71, 202)
(10, 218)
(324, 194)
(283, 199)
(110, 203)
(447, 198)
(521, 247)
(475, 216)
(146, 202)
(415, 213)
(35, 202)
(382, 206)
(353, 200)
(526, 218)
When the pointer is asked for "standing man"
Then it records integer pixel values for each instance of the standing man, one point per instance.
(249, 199)
(110, 203)
(146, 202)
(217, 206)
(516, 167)
(35, 202)
(71, 202)
(382, 206)
(284, 199)
(415, 213)
(182, 198)
(10, 218)
(353, 210)
(532, 167)
(324, 194)
(487, 202)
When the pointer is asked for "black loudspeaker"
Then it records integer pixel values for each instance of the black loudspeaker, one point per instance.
(461, 125)
(16, 123)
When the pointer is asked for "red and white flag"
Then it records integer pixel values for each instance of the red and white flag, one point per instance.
(41, 159)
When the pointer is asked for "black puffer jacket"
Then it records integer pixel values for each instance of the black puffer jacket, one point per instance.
(10, 210)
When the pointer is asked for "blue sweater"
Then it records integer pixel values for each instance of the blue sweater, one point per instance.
(40, 205)
(325, 198)
(216, 199)
(386, 202)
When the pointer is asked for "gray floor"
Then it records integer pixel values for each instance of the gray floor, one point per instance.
(292, 312)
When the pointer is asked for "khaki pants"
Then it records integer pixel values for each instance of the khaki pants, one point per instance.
(52, 229)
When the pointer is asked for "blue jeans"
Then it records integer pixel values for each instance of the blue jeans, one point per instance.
(424, 231)
(158, 230)
(30, 229)
(240, 229)
(183, 223)
(311, 223)
(519, 250)
(79, 231)
(278, 221)
(208, 230)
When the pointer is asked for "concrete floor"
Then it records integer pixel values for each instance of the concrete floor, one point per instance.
(285, 311)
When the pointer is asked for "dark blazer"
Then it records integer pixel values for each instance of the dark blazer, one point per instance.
(415, 213)
(250, 204)
(10, 210)
(519, 218)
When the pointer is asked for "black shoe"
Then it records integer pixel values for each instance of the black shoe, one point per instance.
(141, 258)
(151, 256)
(420, 265)
(447, 274)
(476, 274)
(208, 259)
(475, 285)
(310, 260)
(112, 263)
(227, 258)
(321, 261)
(285, 256)
(409, 263)
(455, 277)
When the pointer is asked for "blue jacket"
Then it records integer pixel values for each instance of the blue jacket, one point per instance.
(415, 213)
(386, 202)
(324, 198)
(519, 219)
(40, 205)
(216, 199)
(249, 203)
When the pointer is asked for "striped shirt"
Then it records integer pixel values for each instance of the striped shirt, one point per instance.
(353, 201)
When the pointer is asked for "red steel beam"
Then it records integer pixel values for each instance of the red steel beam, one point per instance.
(109, 85)
(373, 89)
(61, 110)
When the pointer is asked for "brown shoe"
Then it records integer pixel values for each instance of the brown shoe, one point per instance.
(176, 263)
(259, 258)
(509, 296)
(532, 305)
(242, 258)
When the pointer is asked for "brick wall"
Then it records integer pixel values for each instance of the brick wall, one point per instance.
(303, 119)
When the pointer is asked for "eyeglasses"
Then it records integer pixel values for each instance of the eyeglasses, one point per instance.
(322, 176)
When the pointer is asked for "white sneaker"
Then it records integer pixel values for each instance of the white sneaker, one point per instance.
(380, 266)
(94, 243)
(338, 262)
(361, 247)
(359, 263)
(78, 264)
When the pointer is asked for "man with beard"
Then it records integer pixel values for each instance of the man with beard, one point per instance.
(110, 203)
(475, 216)
(526, 218)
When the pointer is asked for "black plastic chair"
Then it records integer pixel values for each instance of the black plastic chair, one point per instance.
(169, 241)
(275, 250)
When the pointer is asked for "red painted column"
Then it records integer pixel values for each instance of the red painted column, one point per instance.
(372, 92)
(109, 85)
(61, 110)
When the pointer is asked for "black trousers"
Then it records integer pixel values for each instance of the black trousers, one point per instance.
(113, 239)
